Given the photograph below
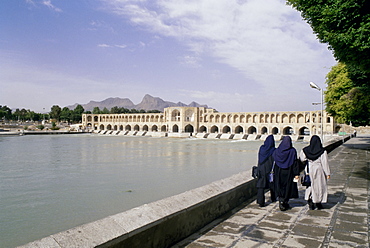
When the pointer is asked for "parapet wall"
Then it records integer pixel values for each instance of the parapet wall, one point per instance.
(164, 222)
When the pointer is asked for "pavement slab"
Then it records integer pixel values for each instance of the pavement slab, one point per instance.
(344, 221)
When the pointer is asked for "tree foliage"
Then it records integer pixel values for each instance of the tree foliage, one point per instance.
(344, 25)
(55, 112)
(345, 101)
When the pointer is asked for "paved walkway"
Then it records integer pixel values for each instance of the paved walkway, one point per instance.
(344, 221)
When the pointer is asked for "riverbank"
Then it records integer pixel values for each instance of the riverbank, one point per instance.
(46, 132)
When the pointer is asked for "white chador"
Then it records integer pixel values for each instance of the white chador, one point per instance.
(318, 171)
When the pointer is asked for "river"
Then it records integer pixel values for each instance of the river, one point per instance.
(50, 183)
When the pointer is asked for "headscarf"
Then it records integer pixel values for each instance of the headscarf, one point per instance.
(285, 155)
(315, 149)
(266, 149)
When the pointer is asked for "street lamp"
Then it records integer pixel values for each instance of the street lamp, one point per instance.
(314, 86)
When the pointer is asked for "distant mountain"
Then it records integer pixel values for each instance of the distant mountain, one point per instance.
(148, 103)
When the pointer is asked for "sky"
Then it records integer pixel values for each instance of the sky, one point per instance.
(232, 55)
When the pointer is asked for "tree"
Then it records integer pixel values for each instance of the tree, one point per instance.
(344, 101)
(96, 111)
(55, 112)
(5, 112)
(66, 114)
(105, 111)
(77, 113)
(344, 25)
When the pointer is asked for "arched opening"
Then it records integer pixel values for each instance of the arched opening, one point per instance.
(128, 128)
(145, 128)
(136, 128)
(109, 127)
(226, 129)
(175, 128)
(239, 129)
(154, 128)
(96, 118)
(163, 128)
(275, 130)
(304, 131)
(202, 129)
(101, 127)
(175, 115)
(189, 129)
(214, 129)
(288, 131)
(264, 130)
(121, 127)
(115, 128)
(252, 130)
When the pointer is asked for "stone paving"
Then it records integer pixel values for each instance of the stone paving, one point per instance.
(344, 221)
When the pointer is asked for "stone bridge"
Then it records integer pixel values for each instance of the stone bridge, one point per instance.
(203, 122)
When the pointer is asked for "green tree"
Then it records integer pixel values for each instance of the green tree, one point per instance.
(55, 112)
(344, 25)
(344, 101)
(77, 113)
(66, 114)
(105, 111)
(115, 110)
(96, 111)
(5, 113)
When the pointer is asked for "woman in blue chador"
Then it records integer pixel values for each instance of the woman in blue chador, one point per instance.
(265, 163)
(285, 170)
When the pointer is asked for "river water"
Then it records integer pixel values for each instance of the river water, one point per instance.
(50, 183)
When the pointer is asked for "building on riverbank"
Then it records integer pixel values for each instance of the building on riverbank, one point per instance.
(203, 122)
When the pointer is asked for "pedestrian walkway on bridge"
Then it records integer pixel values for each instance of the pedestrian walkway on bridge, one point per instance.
(344, 221)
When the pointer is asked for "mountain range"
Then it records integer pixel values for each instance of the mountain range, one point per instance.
(148, 103)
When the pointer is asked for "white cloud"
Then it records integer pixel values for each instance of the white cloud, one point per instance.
(190, 61)
(266, 41)
(51, 6)
(254, 36)
(103, 45)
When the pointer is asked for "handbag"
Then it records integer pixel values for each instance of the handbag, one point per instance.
(254, 171)
(271, 175)
(306, 180)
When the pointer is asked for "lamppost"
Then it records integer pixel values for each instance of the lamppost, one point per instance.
(314, 86)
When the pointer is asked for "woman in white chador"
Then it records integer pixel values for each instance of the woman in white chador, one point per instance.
(319, 172)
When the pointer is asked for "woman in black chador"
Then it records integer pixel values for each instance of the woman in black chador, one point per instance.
(286, 169)
(265, 163)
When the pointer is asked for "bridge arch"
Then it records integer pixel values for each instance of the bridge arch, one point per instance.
(203, 129)
(288, 130)
(163, 128)
(189, 129)
(101, 127)
(136, 128)
(109, 127)
(239, 129)
(214, 129)
(145, 128)
(175, 128)
(264, 130)
(252, 130)
(226, 129)
(115, 128)
(275, 130)
(128, 128)
(304, 131)
(154, 128)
